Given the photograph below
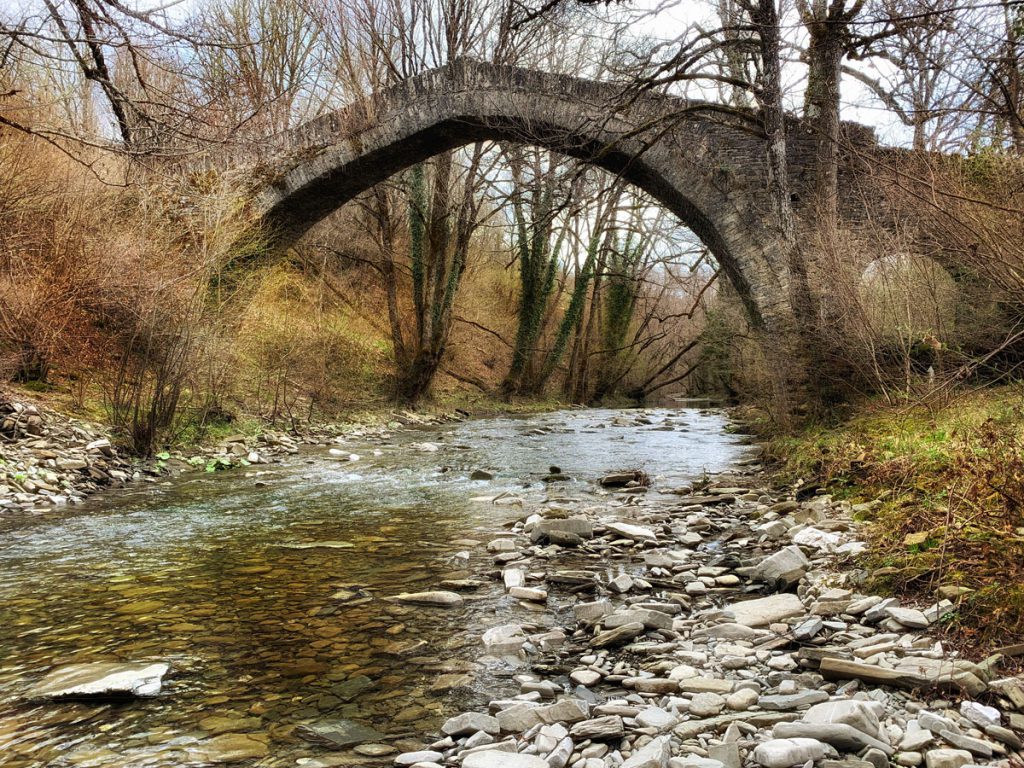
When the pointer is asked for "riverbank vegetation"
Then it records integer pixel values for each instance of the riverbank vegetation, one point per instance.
(941, 481)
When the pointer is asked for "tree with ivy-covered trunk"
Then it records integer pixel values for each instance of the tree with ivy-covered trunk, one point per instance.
(441, 220)
(534, 212)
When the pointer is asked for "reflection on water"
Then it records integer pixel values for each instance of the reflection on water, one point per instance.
(262, 635)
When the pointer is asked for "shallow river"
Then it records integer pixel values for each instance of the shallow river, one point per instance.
(204, 572)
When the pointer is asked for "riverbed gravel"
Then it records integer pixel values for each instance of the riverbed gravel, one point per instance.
(50, 460)
(725, 627)
(722, 625)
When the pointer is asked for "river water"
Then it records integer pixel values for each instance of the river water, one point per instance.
(266, 590)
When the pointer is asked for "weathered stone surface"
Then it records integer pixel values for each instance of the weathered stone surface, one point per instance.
(908, 617)
(706, 704)
(653, 755)
(469, 723)
(839, 735)
(862, 715)
(975, 746)
(494, 759)
(657, 718)
(338, 734)
(590, 613)
(979, 714)
(910, 673)
(504, 639)
(437, 597)
(518, 718)
(618, 636)
(422, 756)
(580, 527)
(599, 728)
(231, 748)
(781, 701)
(947, 758)
(564, 711)
(330, 160)
(650, 619)
(630, 531)
(784, 753)
(786, 566)
(766, 610)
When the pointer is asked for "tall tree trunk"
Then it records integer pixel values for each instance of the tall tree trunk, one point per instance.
(1011, 75)
(828, 27)
(821, 109)
(438, 254)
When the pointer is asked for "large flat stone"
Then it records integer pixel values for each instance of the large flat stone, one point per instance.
(650, 619)
(469, 723)
(766, 610)
(630, 531)
(654, 755)
(437, 597)
(577, 526)
(604, 728)
(783, 753)
(862, 715)
(786, 566)
(100, 679)
(492, 758)
(843, 737)
(231, 748)
(338, 734)
(910, 674)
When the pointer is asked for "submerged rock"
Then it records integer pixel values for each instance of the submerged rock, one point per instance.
(231, 748)
(338, 734)
(438, 597)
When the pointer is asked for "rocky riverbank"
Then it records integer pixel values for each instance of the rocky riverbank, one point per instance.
(718, 626)
(721, 629)
(50, 460)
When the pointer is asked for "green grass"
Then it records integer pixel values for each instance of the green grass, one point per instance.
(948, 480)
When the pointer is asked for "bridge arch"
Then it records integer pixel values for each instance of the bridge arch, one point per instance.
(705, 168)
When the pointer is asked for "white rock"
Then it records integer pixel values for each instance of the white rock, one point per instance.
(862, 715)
(654, 755)
(492, 758)
(947, 758)
(628, 531)
(438, 597)
(585, 677)
(100, 679)
(766, 610)
(694, 761)
(908, 617)
(741, 700)
(468, 723)
(787, 566)
(504, 639)
(657, 718)
(825, 541)
(423, 756)
(784, 753)
(979, 714)
(706, 704)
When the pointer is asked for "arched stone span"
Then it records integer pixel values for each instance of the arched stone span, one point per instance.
(706, 167)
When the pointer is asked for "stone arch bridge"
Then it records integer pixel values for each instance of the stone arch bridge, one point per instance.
(705, 165)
